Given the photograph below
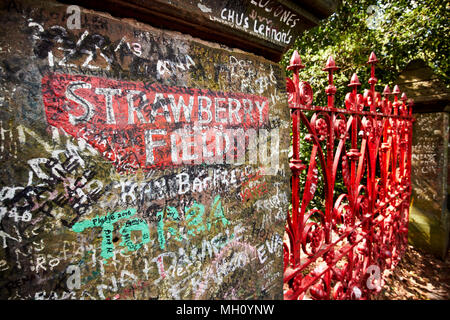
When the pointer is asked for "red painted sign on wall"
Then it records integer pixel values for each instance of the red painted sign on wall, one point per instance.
(142, 125)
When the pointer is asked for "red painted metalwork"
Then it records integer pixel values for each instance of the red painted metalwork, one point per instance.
(340, 250)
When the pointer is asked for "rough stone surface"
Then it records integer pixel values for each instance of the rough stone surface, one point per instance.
(264, 27)
(106, 191)
(421, 84)
(429, 216)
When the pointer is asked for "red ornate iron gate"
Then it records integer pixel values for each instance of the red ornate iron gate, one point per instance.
(340, 250)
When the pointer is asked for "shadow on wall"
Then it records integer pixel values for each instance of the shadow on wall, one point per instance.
(426, 233)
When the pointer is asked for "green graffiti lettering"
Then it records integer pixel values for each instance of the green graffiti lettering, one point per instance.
(217, 213)
(169, 221)
(194, 218)
(107, 225)
(136, 224)
(172, 214)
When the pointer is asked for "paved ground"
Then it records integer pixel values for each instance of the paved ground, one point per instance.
(418, 276)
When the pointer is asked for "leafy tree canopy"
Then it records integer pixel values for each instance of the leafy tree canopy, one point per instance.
(398, 31)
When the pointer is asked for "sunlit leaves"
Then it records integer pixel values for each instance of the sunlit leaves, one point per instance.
(398, 31)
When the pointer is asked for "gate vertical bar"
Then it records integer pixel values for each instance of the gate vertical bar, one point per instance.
(295, 164)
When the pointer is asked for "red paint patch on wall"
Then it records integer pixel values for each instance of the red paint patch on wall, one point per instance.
(147, 125)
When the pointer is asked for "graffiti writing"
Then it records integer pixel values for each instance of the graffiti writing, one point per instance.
(142, 125)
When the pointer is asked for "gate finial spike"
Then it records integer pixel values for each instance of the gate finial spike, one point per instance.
(396, 90)
(403, 97)
(331, 65)
(354, 81)
(386, 91)
(295, 62)
(372, 58)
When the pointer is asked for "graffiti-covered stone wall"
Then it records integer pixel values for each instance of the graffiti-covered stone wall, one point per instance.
(136, 163)
(265, 27)
(429, 216)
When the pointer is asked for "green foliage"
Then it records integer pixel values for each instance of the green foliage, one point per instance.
(398, 31)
